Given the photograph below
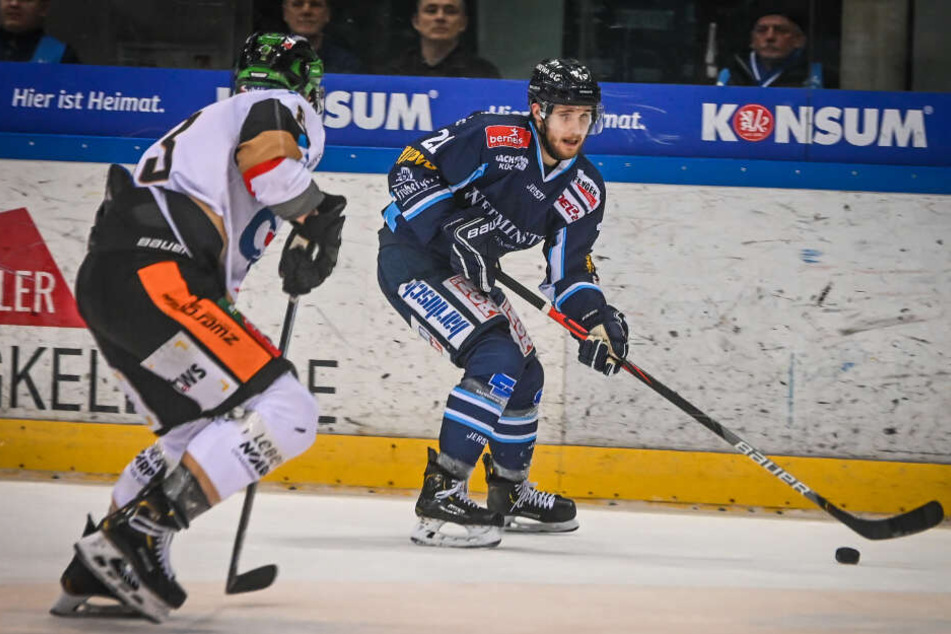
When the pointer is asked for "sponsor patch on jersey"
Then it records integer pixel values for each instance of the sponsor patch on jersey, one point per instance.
(509, 162)
(477, 301)
(191, 372)
(586, 190)
(568, 205)
(406, 186)
(434, 309)
(507, 136)
(412, 156)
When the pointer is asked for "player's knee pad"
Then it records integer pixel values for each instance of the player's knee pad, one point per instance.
(291, 413)
(494, 352)
(278, 424)
(528, 390)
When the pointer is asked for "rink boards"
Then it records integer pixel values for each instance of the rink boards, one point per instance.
(813, 323)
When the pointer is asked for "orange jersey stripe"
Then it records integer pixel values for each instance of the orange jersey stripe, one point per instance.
(238, 350)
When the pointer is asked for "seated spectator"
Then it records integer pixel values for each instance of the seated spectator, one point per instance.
(440, 24)
(777, 56)
(309, 18)
(22, 38)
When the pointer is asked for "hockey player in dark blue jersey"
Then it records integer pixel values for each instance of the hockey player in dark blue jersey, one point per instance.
(463, 197)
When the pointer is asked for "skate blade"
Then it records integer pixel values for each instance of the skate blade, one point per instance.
(104, 560)
(81, 606)
(430, 532)
(516, 524)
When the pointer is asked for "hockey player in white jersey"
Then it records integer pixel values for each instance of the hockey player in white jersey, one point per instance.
(166, 259)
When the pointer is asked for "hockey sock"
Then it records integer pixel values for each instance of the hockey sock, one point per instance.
(513, 442)
(472, 411)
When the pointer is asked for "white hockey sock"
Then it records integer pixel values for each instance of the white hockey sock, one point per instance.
(167, 450)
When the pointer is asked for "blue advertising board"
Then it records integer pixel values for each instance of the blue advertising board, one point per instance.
(372, 111)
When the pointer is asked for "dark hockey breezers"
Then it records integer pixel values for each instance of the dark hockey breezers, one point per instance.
(527, 509)
(444, 501)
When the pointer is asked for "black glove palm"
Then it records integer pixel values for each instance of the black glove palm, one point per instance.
(310, 252)
(606, 341)
(474, 249)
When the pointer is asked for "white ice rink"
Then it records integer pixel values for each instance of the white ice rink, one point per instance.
(347, 566)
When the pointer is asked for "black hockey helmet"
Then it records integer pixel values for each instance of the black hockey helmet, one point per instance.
(566, 81)
(276, 60)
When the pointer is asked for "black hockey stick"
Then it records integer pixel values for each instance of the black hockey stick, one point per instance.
(908, 523)
(262, 577)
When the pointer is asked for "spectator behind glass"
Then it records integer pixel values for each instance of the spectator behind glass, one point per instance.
(777, 56)
(309, 18)
(440, 24)
(22, 38)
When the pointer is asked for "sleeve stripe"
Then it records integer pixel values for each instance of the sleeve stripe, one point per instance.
(427, 202)
(574, 288)
(476, 173)
(556, 257)
(257, 170)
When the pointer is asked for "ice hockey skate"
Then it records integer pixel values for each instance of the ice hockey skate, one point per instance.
(84, 595)
(129, 554)
(448, 517)
(525, 508)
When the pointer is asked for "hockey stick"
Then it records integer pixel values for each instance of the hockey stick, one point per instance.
(262, 577)
(908, 523)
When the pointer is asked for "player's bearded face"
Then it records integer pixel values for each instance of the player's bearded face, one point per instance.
(565, 130)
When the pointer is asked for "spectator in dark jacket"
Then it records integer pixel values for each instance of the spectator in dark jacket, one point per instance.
(440, 24)
(777, 56)
(22, 38)
(309, 18)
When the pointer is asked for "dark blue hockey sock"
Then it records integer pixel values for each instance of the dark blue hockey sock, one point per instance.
(513, 440)
(468, 423)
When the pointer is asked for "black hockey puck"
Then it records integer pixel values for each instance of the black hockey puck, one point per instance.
(846, 555)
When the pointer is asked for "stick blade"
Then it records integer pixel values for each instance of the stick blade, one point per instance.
(914, 521)
(252, 580)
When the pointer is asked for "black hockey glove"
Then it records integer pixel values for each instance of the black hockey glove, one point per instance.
(606, 340)
(474, 249)
(310, 252)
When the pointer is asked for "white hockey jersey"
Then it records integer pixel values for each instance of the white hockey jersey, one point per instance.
(242, 158)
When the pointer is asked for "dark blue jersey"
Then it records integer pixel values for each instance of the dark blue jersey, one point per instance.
(491, 165)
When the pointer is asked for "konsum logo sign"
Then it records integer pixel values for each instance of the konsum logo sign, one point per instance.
(33, 291)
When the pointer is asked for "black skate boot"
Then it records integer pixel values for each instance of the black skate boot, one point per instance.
(445, 500)
(526, 509)
(84, 595)
(130, 553)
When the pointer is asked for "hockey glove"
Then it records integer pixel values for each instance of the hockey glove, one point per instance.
(473, 249)
(310, 252)
(606, 341)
